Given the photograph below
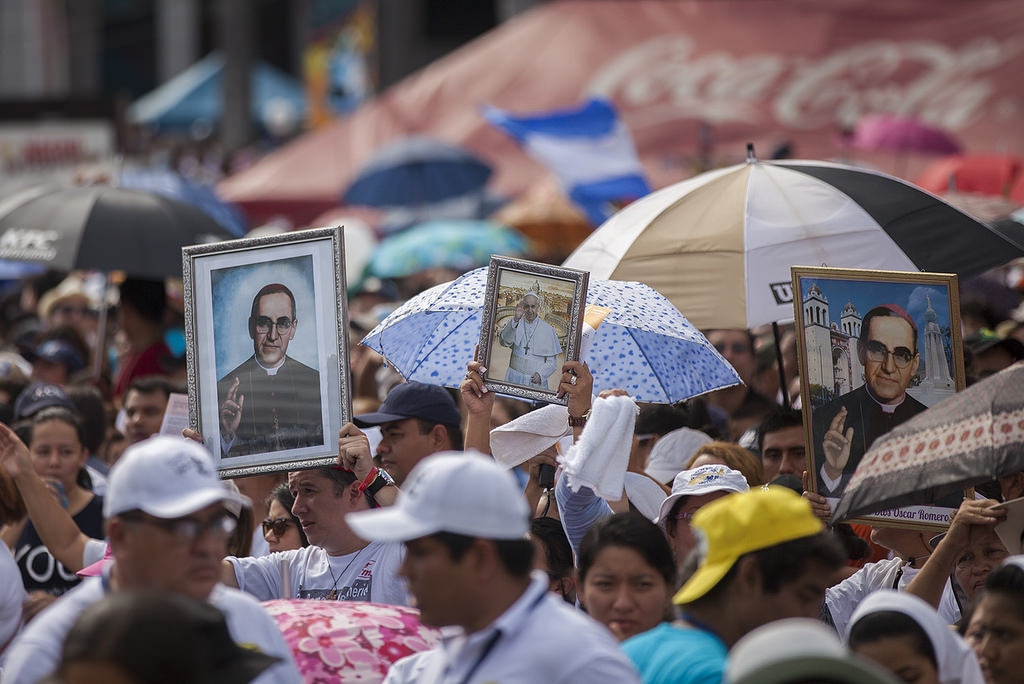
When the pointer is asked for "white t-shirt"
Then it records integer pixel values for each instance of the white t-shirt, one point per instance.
(35, 653)
(260, 547)
(12, 596)
(843, 598)
(540, 638)
(369, 574)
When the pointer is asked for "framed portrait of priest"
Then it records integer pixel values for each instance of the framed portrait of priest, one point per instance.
(267, 349)
(876, 348)
(531, 323)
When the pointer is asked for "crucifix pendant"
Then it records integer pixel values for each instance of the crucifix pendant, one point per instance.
(332, 595)
(527, 349)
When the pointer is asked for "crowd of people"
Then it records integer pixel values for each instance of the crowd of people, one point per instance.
(537, 542)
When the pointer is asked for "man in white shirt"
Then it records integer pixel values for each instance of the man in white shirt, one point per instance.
(337, 565)
(464, 521)
(168, 528)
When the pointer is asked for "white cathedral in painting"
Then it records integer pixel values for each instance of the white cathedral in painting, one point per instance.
(832, 360)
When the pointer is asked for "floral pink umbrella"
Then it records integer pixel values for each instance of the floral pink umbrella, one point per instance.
(346, 641)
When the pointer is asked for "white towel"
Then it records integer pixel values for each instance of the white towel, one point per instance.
(601, 455)
(521, 439)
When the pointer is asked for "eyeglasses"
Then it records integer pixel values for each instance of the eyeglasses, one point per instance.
(283, 324)
(187, 529)
(877, 353)
(278, 525)
(991, 556)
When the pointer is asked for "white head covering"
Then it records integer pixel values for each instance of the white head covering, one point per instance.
(957, 662)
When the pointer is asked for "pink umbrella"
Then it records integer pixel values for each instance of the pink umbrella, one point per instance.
(339, 641)
(892, 133)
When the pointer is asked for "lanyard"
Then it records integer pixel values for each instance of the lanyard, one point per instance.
(488, 647)
(493, 641)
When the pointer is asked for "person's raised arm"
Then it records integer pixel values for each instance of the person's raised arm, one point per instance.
(479, 402)
(55, 526)
(972, 520)
(577, 385)
(354, 454)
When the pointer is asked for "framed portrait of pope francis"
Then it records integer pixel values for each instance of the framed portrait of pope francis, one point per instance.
(533, 315)
(267, 349)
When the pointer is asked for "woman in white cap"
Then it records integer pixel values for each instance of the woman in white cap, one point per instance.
(905, 635)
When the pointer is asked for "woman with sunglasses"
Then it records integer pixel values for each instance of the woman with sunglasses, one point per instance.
(281, 529)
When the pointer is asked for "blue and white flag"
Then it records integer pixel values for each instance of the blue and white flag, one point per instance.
(588, 148)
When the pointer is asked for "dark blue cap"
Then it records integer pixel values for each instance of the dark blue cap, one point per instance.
(414, 400)
(37, 396)
(58, 351)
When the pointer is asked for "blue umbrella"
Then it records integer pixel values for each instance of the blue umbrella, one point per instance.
(644, 345)
(196, 96)
(175, 186)
(460, 245)
(417, 171)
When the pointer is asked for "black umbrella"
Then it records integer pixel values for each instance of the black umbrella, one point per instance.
(104, 228)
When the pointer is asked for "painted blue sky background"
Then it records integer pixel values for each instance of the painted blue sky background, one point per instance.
(868, 294)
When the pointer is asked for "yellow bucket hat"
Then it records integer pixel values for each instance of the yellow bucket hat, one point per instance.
(737, 524)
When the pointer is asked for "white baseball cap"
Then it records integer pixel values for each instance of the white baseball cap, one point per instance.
(463, 493)
(671, 452)
(702, 480)
(166, 477)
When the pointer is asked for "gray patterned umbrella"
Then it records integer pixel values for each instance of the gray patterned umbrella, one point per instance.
(972, 437)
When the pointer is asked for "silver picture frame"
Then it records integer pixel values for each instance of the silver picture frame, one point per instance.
(252, 421)
(513, 367)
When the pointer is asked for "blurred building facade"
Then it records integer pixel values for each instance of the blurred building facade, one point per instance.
(89, 58)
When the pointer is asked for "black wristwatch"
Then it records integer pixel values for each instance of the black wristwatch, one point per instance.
(380, 482)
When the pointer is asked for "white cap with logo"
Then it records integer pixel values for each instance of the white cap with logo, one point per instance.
(166, 477)
(702, 480)
(462, 493)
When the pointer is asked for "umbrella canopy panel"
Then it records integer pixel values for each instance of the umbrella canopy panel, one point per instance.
(989, 174)
(720, 245)
(459, 245)
(417, 171)
(890, 132)
(644, 345)
(102, 228)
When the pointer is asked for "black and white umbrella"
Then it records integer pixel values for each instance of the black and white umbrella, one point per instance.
(104, 228)
(720, 245)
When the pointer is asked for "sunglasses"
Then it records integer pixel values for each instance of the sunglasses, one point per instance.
(278, 525)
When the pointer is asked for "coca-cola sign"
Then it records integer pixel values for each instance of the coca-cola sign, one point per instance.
(668, 78)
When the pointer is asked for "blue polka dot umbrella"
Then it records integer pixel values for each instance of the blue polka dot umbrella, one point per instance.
(643, 345)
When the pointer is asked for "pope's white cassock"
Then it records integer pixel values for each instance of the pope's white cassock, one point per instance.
(534, 350)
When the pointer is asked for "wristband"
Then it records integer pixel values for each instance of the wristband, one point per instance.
(383, 480)
(370, 477)
(580, 421)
